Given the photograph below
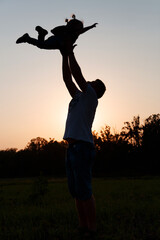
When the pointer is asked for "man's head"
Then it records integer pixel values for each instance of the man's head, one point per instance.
(99, 87)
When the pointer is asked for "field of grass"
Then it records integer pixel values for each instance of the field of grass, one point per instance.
(127, 209)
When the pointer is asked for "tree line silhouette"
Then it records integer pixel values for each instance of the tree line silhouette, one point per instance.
(134, 151)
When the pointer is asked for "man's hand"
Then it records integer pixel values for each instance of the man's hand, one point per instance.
(68, 48)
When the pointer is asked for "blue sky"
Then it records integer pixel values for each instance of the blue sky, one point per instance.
(123, 51)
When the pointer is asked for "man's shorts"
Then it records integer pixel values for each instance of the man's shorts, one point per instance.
(79, 162)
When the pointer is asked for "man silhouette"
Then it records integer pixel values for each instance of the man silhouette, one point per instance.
(78, 134)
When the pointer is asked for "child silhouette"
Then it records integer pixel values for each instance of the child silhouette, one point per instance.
(71, 30)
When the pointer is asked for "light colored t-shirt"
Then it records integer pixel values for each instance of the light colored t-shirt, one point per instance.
(81, 114)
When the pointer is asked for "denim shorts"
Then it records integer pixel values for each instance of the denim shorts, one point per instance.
(79, 162)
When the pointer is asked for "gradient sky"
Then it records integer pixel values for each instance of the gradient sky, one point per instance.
(123, 51)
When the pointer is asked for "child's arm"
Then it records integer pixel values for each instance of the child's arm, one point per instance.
(88, 28)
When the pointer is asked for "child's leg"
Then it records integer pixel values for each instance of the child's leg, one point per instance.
(41, 33)
(23, 39)
(52, 42)
(27, 39)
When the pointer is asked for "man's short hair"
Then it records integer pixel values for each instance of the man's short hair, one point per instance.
(101, 88)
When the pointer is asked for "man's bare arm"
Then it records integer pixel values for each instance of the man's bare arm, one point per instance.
(76, 72)
(67, 76)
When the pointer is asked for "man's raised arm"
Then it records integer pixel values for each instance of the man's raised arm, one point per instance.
(76, 72)
(67, 76)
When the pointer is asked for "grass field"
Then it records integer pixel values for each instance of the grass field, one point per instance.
(127, 209)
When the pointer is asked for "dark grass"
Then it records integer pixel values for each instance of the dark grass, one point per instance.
(127, 209)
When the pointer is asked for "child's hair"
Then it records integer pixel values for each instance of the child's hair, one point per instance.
(74, 24)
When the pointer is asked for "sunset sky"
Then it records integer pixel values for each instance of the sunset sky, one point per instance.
(123, 51)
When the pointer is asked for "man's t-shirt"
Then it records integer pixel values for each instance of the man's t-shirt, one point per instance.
(81, 114)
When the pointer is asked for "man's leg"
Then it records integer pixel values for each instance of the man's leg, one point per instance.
(87, 214)
(85, 201)
(83, 221)
(90, 209)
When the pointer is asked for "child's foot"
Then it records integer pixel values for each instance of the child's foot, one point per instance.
(23, 39)
(41, 31)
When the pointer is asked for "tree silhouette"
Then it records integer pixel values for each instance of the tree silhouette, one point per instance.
(151, 133)
(132, 132)
(133, 151)
(151, 142)
(105, 134)
(36, 144)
